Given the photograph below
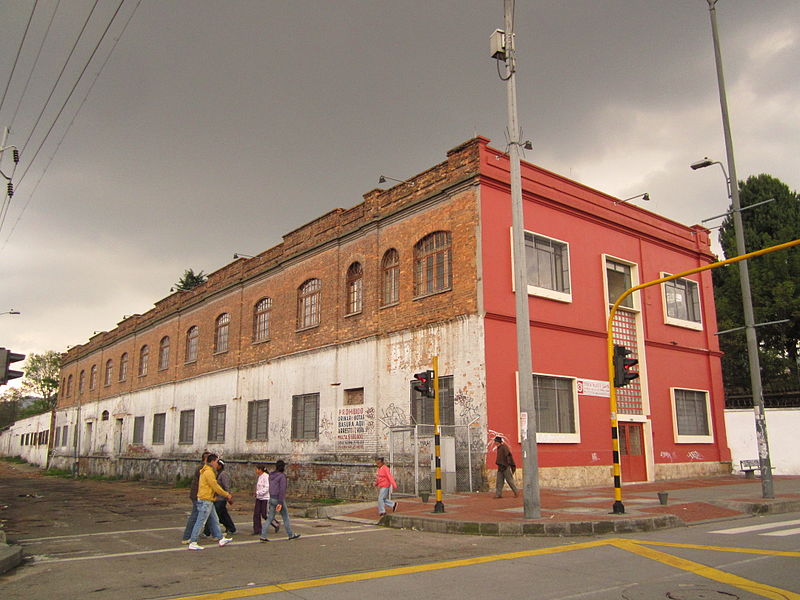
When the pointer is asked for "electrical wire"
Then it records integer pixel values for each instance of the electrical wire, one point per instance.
(19, 51)
(72, 121)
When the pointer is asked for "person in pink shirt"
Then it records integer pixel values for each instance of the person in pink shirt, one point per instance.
(385, 484)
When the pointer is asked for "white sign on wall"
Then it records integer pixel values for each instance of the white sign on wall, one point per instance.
(593, 387)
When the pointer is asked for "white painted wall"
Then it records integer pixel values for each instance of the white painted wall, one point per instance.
(782, 427)
(382, 366)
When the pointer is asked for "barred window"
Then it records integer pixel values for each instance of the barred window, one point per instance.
(216, 423)
(390, 278)
(186, 427)
(355, 288)
(305, 417)
(159, 427)
(308, 303)
(163, 353)
(222, 325)
(144, 359)
(138, 430)
(555, 404)
(432, 264)
(261, 319)
(258, 420)
(192, 339)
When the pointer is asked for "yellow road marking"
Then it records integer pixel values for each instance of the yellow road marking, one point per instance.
(762, 589)
(722, 549)
(355, 577)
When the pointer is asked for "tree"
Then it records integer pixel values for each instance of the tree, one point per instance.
(41, 376)
(190, 280)
(774, 282)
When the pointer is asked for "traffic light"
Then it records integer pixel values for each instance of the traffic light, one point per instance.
(6, 358)
(622, 366)
(424, 384)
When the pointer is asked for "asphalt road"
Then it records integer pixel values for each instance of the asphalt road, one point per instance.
(104, 540)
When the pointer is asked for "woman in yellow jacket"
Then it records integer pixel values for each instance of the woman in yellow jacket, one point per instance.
(206, 490)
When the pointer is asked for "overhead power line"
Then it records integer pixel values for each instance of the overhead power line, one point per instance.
(19, 51)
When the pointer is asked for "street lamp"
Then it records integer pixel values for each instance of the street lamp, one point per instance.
(744, 274)
(11, 312)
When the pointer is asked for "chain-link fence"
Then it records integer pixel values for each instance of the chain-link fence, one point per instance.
(412, 451)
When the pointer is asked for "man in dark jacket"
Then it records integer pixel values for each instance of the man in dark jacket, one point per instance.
(505, 468)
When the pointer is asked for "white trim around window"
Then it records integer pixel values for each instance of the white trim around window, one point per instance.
(549, 437)
(691, 418)
(693, 305)
(564, 271)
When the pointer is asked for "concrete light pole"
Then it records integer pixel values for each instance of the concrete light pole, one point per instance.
(530, 455)
(744, 275)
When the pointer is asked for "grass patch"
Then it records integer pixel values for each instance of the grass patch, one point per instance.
(98, 477)
(63, 473)
(17, 460)
(327, 501)
(183, 482)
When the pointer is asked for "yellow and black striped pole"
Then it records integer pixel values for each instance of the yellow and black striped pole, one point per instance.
(437, 437)
(618, 507)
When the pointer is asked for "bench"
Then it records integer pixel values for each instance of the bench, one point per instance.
(750, 466)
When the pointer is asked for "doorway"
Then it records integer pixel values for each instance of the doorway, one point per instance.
(631, 450)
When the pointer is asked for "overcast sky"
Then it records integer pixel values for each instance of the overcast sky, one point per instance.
(217, 127)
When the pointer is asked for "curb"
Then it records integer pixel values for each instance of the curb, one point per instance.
(536, 528)
(10, 556)
(767, 507)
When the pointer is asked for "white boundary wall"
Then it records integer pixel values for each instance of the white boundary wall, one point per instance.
(782, 427)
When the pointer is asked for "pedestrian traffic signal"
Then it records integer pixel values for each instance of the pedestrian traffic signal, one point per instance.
(6, 358)
(424, 384)
(622, 366)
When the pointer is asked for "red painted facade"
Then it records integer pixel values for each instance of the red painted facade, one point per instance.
(569, 337)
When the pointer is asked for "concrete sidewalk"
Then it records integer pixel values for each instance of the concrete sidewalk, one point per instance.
(587, 511)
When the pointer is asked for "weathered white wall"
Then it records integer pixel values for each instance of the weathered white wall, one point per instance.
(782, 427)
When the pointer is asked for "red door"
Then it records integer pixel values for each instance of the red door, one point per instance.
(631, 450)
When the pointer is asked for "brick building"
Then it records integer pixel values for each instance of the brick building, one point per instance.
(307, 350)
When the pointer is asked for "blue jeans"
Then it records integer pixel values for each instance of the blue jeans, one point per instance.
(205, 512)
(383, 499)
(187, 532)
(273, 505)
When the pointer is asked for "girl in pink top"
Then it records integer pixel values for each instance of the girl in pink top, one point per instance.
(385, 484)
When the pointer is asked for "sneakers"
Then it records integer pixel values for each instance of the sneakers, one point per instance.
(225, 540)
(195, 546)
(294, 536)
(263, 540)
(276, 526)
(394, 508)
(185, 541)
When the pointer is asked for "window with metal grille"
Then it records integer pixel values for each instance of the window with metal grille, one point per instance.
(390, 278)
(216, 423)
(305, 417)
(192, 339)
(308, 303)
(432, 264)
(222, 325)
(261, 319)
(138, 430)
(258, 420)
(555, 404)
(422, 407)
(355, 288)
(159, 427)
(547, 264)
(144, 359)
(186, 427)
(163, 353)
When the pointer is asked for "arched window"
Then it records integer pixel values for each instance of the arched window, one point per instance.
(109, 372)
(432, 264)
(69, 386)
(163, 353)
(93, 378)
(308, 303)
(261, 319)
(390, 277)
(144, 360)
(104, 416)
(221, 333)
(192, 337)
(123, 366)
(355, 288)
(81, 383)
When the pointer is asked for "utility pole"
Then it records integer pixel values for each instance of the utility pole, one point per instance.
(530, 455)
(744, 276)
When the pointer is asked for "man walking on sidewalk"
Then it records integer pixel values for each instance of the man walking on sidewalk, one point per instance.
(505, 468)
